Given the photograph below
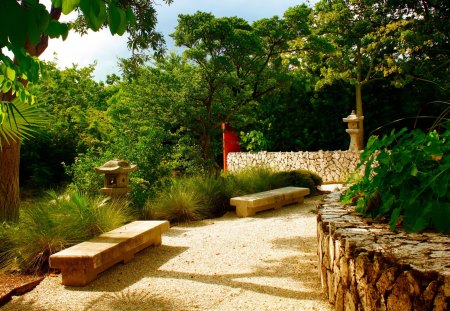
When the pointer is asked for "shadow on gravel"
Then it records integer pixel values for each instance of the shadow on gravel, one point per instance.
(134, 300)
(145, 264)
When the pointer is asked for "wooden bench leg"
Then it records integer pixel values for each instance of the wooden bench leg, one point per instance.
(74, 277)
(244, 211)
(157, 240)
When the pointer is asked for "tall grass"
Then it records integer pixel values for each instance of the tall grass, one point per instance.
(254, 180)
(179, 202)
(302, 178)
(199, 197)
(54, 223)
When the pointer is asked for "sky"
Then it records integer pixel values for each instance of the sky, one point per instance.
(105, 49)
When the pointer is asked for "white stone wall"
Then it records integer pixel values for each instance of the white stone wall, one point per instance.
(332, 166)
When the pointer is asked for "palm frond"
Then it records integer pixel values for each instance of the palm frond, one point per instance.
(20, 120)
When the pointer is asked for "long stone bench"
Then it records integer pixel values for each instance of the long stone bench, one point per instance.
(81, 263)
(249, 205)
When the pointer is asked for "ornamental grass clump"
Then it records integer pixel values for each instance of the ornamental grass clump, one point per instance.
(254, 180)
(54, 223)
(406, 180)
(178, 202)
(213, 193)
(302, 178)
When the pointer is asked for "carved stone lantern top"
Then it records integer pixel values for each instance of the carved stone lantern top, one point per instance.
(352, 118)
(116, 166)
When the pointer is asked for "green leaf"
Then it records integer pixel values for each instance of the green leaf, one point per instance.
(33, 30)
(413, 171)
(22, 96)
(387, 201)
(69, 5)
(43, 18)
(95, 13)
(2, 78)
(6, 86)
(394, 218)
(417, 215)
(56, 29)
(57, 3)
(117, 20)
(441, 216)
(131, 18)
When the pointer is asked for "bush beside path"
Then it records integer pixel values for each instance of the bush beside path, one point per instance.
(266, 262)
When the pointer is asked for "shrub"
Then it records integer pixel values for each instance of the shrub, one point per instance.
(406, 180)
(302, 178)
(262, 179)
(254, 180)
(179, 202)
(213, 193)
(54, 223)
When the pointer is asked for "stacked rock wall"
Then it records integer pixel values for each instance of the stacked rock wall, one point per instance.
(332, 166)
(365, 266)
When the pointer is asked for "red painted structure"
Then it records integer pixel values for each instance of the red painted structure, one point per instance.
(230, 143)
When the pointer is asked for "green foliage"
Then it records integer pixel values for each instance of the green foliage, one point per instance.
(20, 120)
(178, 202)
(213, 192)
(76, 106)
(406, 180)
(254, 180)
(254, 141)
(84, 177)
(302, 178)
(190, 198)
(54, 223)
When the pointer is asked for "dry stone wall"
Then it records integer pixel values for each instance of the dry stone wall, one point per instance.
(365, 266)
(332, 166)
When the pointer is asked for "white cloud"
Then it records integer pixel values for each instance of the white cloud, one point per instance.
(100, 47)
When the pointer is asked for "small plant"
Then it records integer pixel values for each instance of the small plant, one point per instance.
(406, 180)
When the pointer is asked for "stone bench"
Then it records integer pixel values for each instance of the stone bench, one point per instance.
(248, 205)
(81, 263)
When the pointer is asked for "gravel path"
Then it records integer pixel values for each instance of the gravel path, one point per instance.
(266, 262)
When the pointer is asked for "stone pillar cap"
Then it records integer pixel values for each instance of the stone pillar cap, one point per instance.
(352, 117)
(116, 166)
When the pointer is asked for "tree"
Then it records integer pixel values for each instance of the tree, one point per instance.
(226, 68)
(236, 65)
(25, 28)
(374, 41)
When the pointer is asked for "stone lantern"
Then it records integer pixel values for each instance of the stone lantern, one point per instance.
(116, 177)
(353, 130)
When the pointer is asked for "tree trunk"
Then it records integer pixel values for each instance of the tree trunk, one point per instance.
(359, 113)
(9, 180)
